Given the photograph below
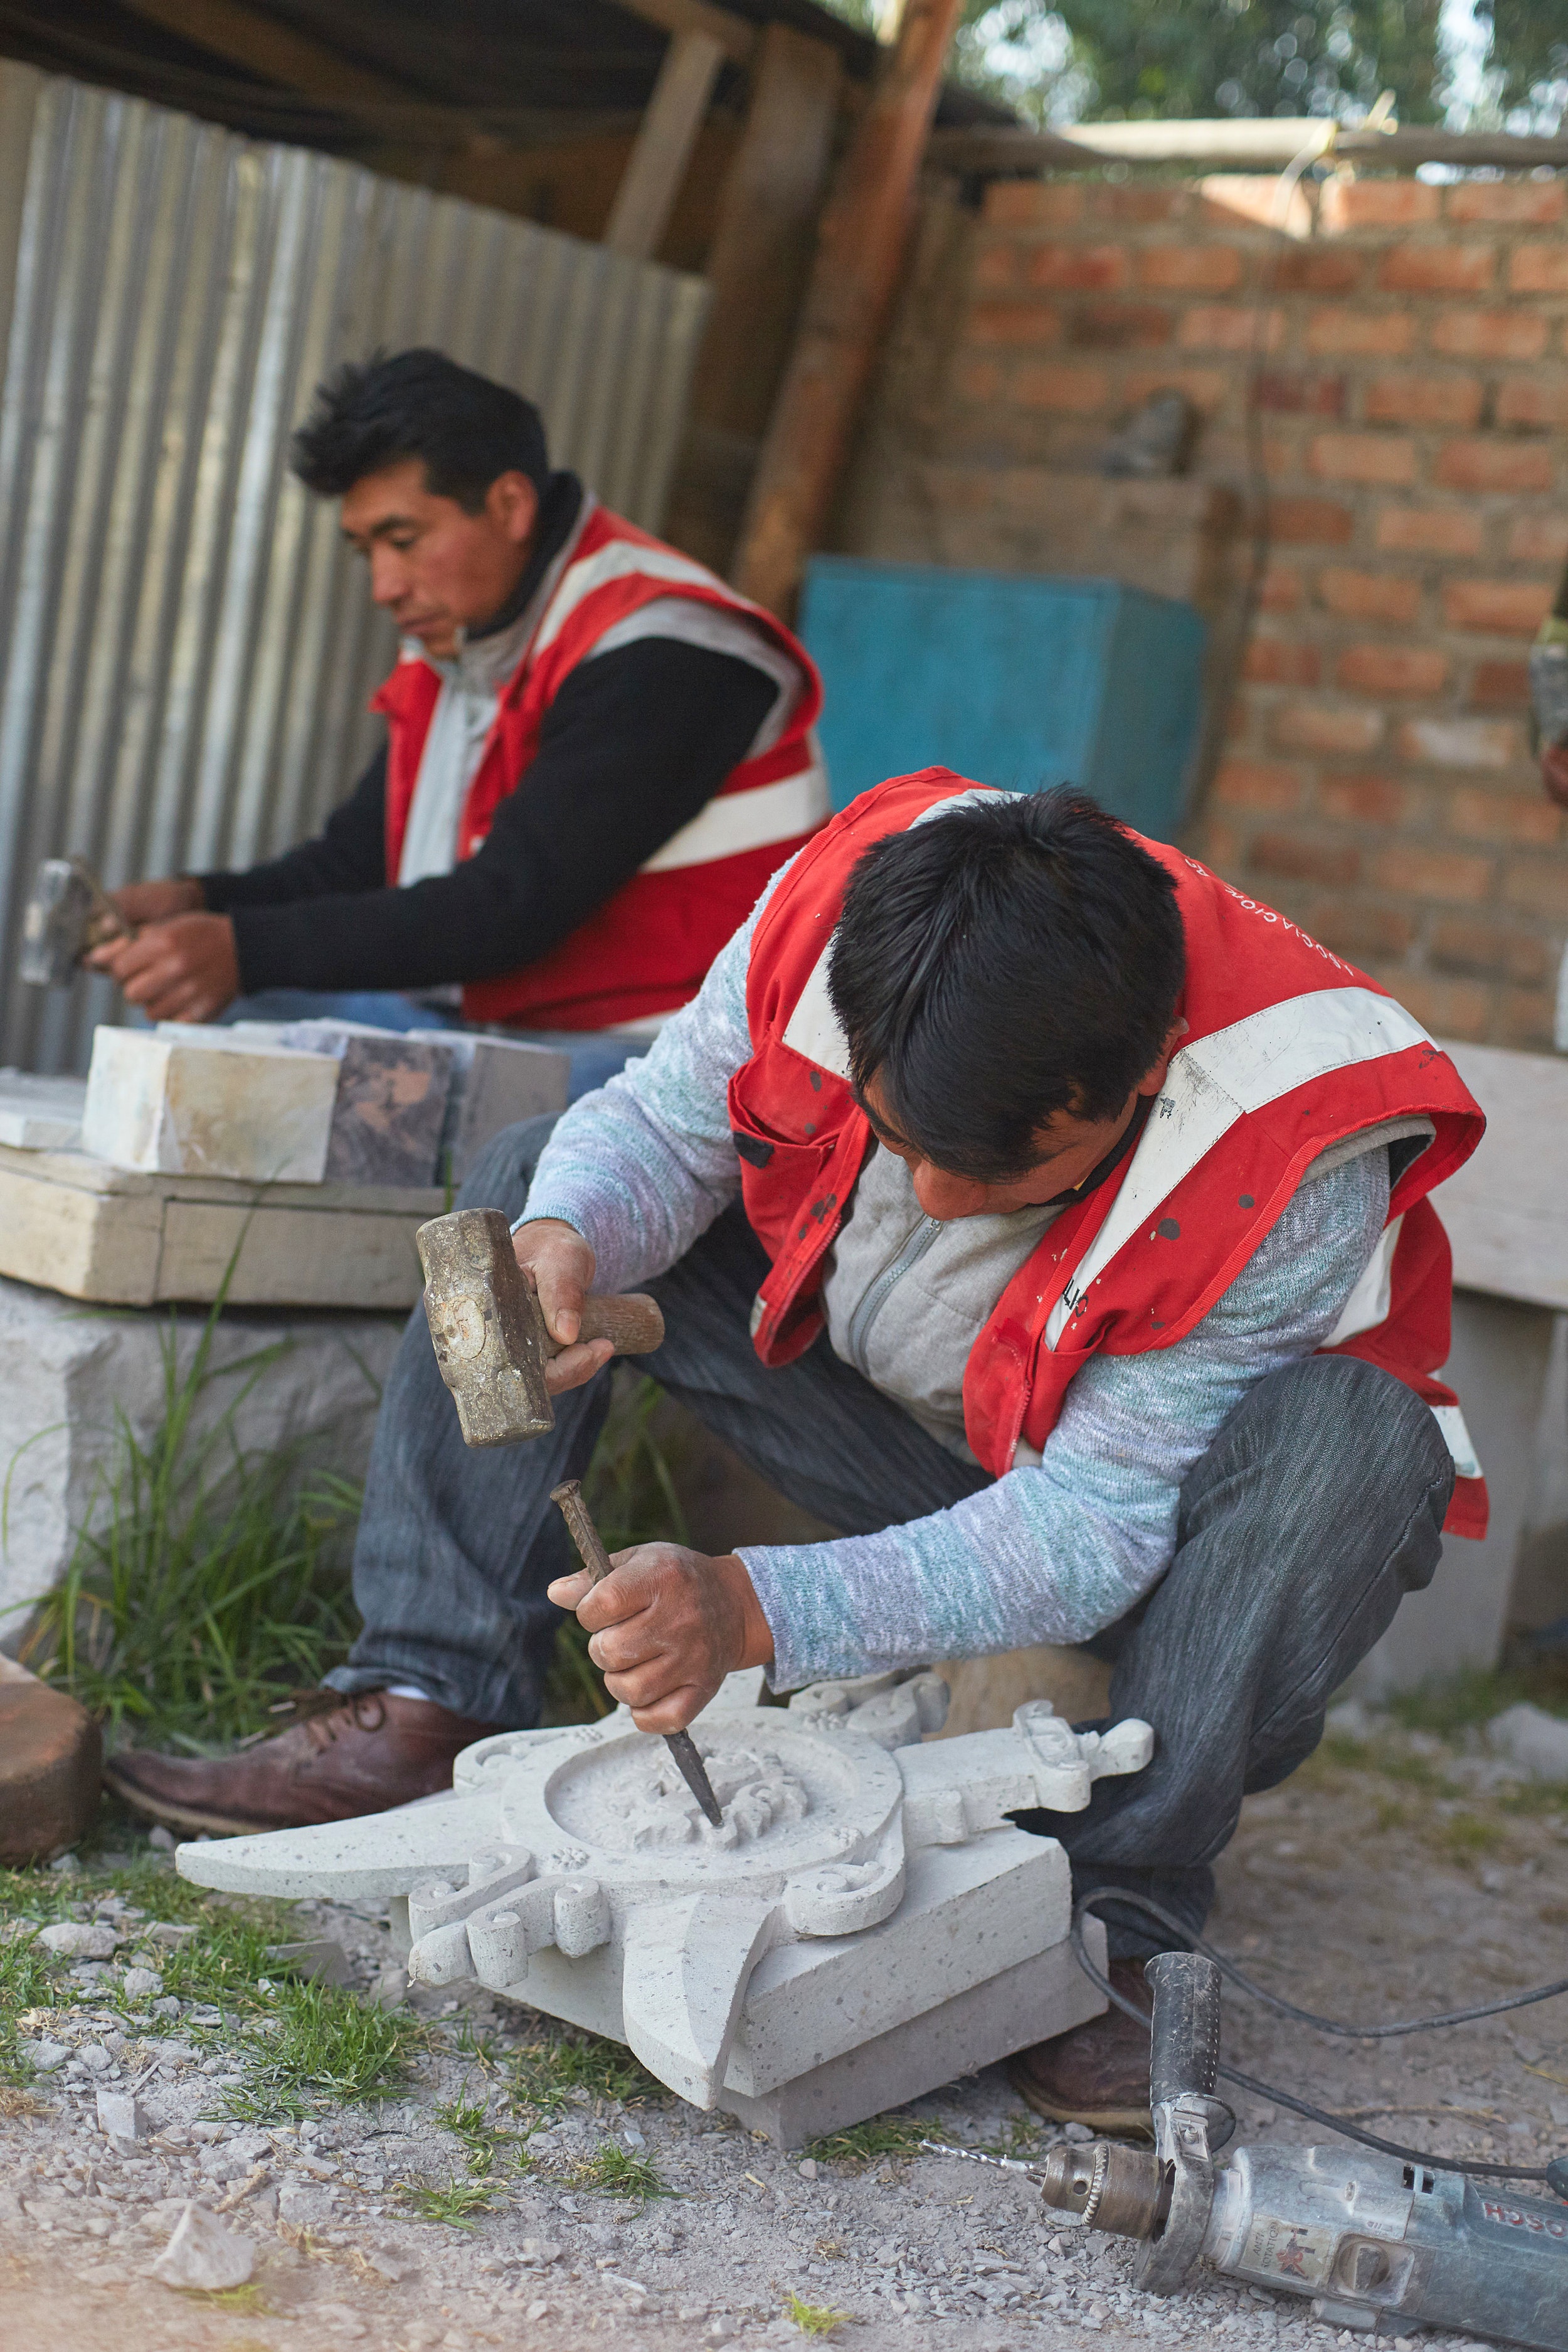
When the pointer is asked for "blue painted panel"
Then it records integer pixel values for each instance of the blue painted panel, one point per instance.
(1012, 680)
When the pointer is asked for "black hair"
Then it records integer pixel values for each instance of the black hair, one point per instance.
(370, 413)
(1010, 958)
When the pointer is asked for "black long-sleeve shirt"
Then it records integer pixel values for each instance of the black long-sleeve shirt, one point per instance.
(635, 744)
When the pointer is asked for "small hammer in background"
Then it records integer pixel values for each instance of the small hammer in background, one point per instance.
(491, 1342)
(68, 912)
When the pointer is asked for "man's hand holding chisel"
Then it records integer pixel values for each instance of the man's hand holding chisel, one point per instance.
(668, 1623)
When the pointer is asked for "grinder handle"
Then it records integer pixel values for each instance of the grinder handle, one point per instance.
(629, 1320)
(1183, 2054)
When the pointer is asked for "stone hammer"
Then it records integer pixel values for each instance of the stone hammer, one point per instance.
(488, 1328)
(68, 912)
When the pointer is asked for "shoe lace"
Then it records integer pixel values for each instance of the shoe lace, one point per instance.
(324, 1712)
(364, 1711)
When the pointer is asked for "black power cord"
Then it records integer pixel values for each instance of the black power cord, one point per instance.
(1555, 2173)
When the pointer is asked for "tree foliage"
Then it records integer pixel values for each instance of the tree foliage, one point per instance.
(1529, 48)
(1162, 57)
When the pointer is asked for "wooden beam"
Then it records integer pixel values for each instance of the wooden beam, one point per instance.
(1266, 145)
(860, 254)
(761, 249)
(266, 46)
(735, 37)
(652, 180)
(757, 266)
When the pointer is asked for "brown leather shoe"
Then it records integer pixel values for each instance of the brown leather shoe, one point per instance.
(1098, 2073)
(344, 1756)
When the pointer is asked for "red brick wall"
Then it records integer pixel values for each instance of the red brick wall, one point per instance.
(1412, 393)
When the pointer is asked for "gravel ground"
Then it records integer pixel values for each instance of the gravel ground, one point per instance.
(1395, 1875)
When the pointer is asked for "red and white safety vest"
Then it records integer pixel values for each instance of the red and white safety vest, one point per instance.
(1288, 1050)
(645, 949)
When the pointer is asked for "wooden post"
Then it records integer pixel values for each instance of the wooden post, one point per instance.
(864, 234)
(652, 180)
(757, 268)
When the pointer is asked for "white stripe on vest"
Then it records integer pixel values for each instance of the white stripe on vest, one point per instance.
(1213, 1083)
(618, 560)
(734, 822)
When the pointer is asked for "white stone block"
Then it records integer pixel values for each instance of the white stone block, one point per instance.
(67, 1370)
(40, 1113)
(163, 1106)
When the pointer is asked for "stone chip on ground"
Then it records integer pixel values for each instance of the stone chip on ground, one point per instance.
(121, 2115)
(79, 1940)
(203, 2254)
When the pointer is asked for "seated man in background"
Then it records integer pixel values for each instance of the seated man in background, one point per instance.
(596, 755)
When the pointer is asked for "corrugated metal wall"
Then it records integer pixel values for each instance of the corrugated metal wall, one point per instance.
(185, 649)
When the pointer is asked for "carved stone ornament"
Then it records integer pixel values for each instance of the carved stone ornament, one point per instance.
(865, 1924)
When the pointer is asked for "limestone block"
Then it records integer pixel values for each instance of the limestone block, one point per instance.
(40, 1113)
(1031, 2001)
(158, 1104)
(66, 1369)
(499, 1080)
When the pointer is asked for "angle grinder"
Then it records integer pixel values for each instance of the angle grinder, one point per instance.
(1376, 2243)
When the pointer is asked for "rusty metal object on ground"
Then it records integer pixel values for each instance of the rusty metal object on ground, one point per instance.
(50, 1758)
(488, 1330)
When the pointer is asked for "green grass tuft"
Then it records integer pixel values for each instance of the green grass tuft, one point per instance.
(206, 1581)
(299, 2043)
(457, 2204)
(613, 2171)
(316, 2041)
(469, 2121)
(27, 1980)
(889, 2135)
(543, 2075)
(813, 2318)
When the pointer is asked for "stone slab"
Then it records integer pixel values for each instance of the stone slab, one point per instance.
(1498, 1362)
(1506, 1210)
(40, 1113)
(72, 1223)
(160, 1105)
(493, 1082)
(65, 1373)
(1027, 2002)
(391, 1104)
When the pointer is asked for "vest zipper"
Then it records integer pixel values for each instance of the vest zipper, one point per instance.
(876, 1293)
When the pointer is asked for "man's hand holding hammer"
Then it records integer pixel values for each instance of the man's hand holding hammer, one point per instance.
(669, 1623)
(182, 964)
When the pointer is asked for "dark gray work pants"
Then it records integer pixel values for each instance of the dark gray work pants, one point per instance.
(1317, 1507)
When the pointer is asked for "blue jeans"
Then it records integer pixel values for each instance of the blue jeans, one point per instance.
(1317, 1507)
(596, 1054)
